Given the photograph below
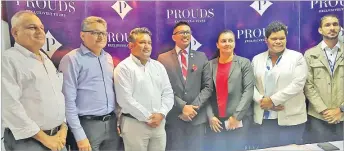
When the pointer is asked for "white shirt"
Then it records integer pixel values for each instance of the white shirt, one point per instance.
(271, 73)
(331, 54)
(143, 89)
(180, 58)
(32, 96)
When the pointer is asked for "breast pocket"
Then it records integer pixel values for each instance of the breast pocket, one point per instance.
(156, 79)
(319, 70)
(341, 69)
(59, 81)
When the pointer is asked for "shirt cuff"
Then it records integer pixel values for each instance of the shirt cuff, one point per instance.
(23, 133)
(79, 134)
(274, 101)
(163, 111)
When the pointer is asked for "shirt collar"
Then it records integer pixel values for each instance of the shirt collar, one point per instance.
(85, 50)
(137, 61)
(179, 49)
(27, 52)
(324, 46)
(279, 56)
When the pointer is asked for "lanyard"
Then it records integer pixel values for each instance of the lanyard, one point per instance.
(329, 62)
(278, 60)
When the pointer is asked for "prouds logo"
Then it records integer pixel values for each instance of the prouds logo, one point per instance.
(198, 15)
(261, 6)
(194, 43)
(51, 44)
(251, 35)
(51, 7)
(328, 5)
(341, 35)
(118, 39)
(122, 8)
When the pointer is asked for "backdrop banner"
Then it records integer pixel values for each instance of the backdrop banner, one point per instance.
(247, 19)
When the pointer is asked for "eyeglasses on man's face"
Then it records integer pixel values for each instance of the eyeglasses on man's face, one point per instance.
(183, 33)
(96, 33)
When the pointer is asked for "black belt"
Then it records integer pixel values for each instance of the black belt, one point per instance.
(52, 131)
(100, 118)
(128, 115)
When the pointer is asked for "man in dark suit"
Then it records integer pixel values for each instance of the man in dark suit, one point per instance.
(190, 76)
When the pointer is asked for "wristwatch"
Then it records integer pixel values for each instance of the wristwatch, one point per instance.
(342, 108)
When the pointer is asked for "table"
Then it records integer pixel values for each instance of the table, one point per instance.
(305, 147)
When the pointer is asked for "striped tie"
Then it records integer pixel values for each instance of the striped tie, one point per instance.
(183, 56)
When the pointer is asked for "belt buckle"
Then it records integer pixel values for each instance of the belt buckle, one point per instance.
(52, 131)
(106, 117)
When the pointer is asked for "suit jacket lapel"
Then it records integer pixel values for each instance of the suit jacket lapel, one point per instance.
(279, 65)
(234, 62)
(177, 66)
(261, 67)
(214, 69)
(190, 63)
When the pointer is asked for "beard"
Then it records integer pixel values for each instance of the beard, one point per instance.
(330, 38)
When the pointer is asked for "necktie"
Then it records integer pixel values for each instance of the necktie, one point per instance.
(183, 56)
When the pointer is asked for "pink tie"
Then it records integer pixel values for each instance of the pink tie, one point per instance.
(184, 64)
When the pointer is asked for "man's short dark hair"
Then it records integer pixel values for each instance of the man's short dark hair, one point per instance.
(180, 23)
(326, 16)
(275, 26)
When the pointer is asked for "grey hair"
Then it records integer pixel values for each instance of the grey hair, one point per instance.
(15, 20)
(136, 31)
(275, 26)
(90, 20)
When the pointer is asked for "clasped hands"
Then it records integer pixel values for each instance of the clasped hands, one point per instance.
(155, 119)
(189, 112)
(56, 142)
(267, 104)
(215, 124)
(332, 115)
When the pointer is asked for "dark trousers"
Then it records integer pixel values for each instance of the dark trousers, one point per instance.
(70, 141)
(230, 140)
(321, 131)
(101, 134)
(183, 136)
(273, 135)
(28, 144)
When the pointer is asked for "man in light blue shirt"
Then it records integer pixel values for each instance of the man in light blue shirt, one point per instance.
(88, 89)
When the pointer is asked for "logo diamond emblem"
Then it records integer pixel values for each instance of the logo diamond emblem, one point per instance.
(51, 44)
(194, 43)
(122, 8)
(261, 6)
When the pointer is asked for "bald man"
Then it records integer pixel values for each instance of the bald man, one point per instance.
(33, 108)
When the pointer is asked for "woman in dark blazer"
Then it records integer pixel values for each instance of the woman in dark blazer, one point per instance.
(230, 111)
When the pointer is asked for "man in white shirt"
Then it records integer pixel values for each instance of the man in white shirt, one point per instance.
(33, 108)
(324, 86)
(279, 103)
(144, 93)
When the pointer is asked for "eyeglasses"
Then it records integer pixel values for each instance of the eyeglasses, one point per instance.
(183, 33)
(96, 33)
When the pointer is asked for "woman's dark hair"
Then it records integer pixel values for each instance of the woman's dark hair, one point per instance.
(217, 53)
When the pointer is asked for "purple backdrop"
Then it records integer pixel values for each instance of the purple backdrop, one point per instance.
(246, 19)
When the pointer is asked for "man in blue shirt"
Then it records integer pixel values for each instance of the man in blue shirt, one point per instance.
(88, 89)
